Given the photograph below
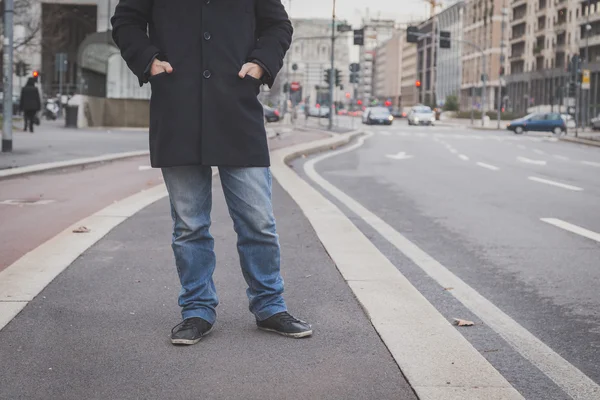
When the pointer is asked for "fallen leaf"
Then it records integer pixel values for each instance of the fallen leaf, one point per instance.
(81, 229)
(463, 322)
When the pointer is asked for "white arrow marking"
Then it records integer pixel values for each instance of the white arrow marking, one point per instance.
(400, 156)
(528, 161)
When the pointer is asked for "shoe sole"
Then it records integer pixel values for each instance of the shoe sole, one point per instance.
(189, 342)
(297, 335)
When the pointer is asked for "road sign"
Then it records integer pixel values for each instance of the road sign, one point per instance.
(354, 67)
(585, 79)
(295, 86)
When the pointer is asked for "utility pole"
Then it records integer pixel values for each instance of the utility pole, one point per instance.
(332, 73)
(500, 75)
(8, 76)
(586, 63)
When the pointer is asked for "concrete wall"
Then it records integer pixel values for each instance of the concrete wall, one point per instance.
(98, 111)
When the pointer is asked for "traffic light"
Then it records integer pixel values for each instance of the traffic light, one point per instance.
(338, 77)
(354, 77)
(412, 34)
(572, 89)
(388, 103)
(21, 68)
(418, 84)
(359, 102)
(35, 74)
(359, 37)
(327, 76)
(444, 40)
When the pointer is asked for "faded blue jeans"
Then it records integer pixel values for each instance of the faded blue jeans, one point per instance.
(248, 196)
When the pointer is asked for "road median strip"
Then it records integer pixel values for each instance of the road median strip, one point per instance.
(437, 360)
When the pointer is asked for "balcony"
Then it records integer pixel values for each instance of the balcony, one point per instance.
(594, 40)
(517, 39)
(517, 3)
(562, 47)
(517, 56)
(560, 26)
(540, 29)
(518, 20)
(595, 17)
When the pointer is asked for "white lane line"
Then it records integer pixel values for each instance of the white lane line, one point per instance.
(591, 163)
(529, 161)
(463, 157)
(538, 151)
(563, 158)
(572, 228)
(400, 156)
(553, 183)
(488, 166)
(574, 382)
(453, 151)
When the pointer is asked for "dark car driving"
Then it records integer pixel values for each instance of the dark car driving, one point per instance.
(548, 122)
(378, 115)
(271, 114)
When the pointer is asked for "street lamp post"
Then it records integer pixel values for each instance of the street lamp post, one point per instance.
(499, 97)
(331, 71)
(8, 76)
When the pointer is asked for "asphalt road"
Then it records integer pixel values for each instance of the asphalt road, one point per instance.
(475, 201)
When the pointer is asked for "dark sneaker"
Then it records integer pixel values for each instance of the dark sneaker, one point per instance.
(286, 325)
(190, 331)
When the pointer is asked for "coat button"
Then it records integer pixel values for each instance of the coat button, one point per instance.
(207, 35)
(206, 74)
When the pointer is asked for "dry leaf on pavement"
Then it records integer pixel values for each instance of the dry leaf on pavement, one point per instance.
(81, 229)
(463, 322)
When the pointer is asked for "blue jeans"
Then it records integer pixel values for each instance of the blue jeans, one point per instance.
(248, 196)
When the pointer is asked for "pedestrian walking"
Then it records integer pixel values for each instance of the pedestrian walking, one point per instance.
(205, 61)
(30, 104)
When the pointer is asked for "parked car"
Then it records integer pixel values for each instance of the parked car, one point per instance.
(377, 115)
(421, 115)
(271, 114)
(318, 111)
(548, 122)
(595, 123)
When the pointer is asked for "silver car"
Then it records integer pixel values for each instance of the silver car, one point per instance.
(421, 115)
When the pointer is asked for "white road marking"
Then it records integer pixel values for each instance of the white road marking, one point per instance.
(453, 151)
(572, 228)
(144, 168)
(591, 163)
(529, 161)
(574, 382)
(552, 139)
(400, 156)
(564, 158)
(538, 151)
(488, 166)
(463, 157)
(21, 202)
(553, 183)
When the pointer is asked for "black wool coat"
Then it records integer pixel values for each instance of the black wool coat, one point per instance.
(203, 113)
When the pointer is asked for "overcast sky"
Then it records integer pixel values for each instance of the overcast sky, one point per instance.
(355, 10)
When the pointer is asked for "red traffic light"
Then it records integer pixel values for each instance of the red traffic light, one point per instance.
(318, 105)
(35, 74)
(418, 84)
(388, 103)
(347, 95)
(359, 102)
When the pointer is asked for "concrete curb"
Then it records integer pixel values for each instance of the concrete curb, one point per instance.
(588, 142)
(78, 162)
(438, 362)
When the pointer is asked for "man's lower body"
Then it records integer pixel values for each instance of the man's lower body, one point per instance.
(248, 196)
(28, 117)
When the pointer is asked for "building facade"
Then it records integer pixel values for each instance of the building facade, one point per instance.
(481, 56)
(545, 34)
(377, 31)
(387, 70)
(410, 93)
(449, 61)
(310, 55)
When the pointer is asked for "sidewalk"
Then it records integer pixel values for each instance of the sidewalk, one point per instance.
(100, 330)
